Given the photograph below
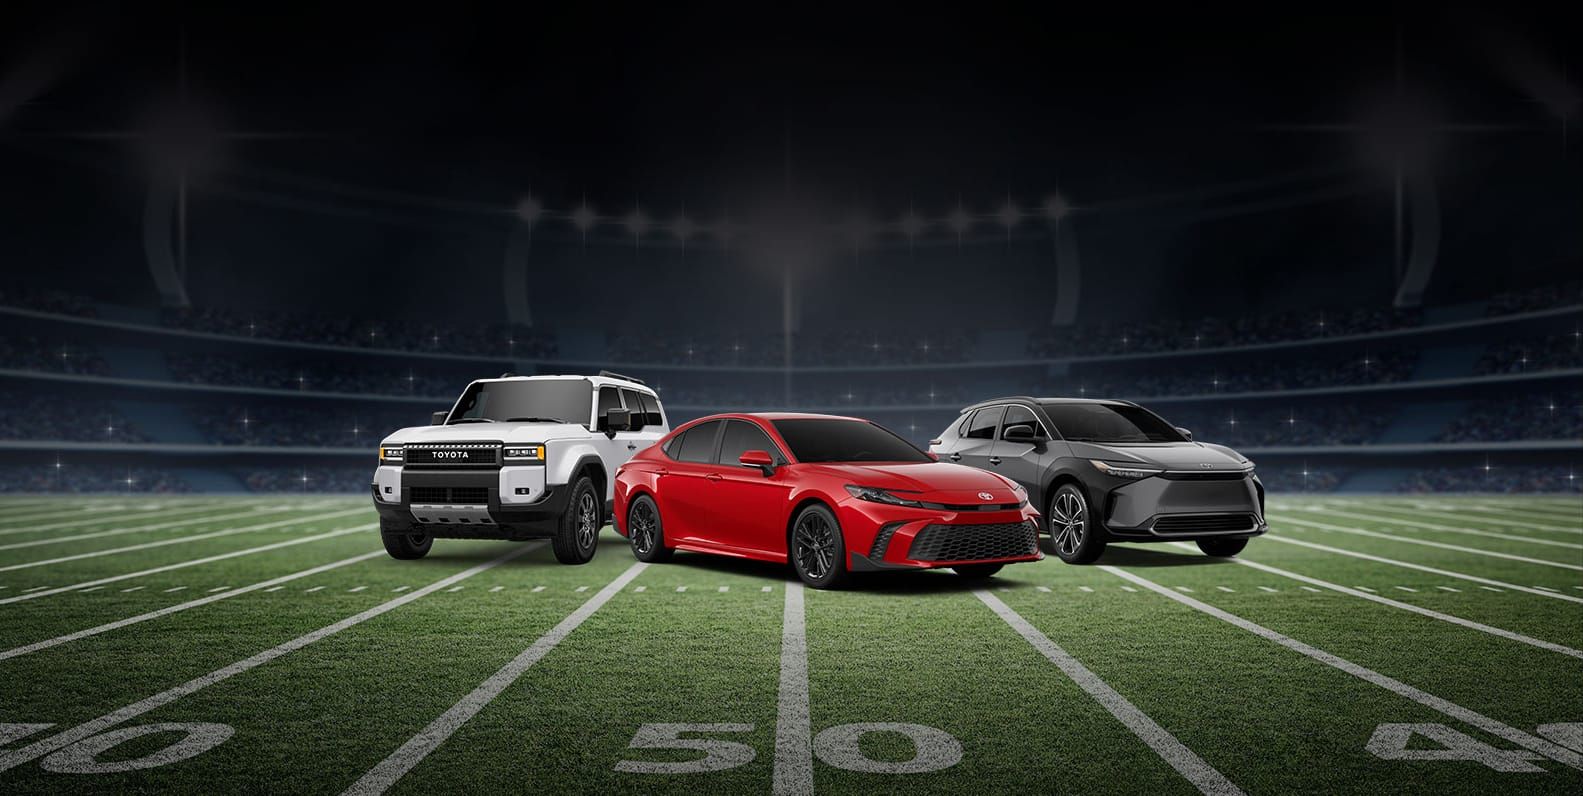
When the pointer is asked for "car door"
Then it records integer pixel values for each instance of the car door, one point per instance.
(612, 448)
(1022, 462)
(745, 499)
(643, 431)
(977, 442)
(685, 491)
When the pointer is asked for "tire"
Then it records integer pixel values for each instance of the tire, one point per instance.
(977, 571)
(407, 546)
(1222, 548)
(646, 532)
(1074, 534)
(817, 549)
(576, 536)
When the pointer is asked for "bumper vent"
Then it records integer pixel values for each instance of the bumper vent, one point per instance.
(450, 495)
(1206, 475)
(1203, 523)
(876, 551)
(974, 542)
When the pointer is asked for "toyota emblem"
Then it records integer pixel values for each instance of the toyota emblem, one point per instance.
(985, 496)
(1205, 465)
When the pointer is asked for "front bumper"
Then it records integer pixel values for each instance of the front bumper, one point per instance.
(883, 537)
(464, 505)
(1189, 506)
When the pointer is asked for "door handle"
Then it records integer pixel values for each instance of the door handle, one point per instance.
(956, 457)
(994, 460)
(662, 471)
(713, 476)
(632, 446)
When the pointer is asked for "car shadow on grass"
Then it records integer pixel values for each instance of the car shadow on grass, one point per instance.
(1120, 556)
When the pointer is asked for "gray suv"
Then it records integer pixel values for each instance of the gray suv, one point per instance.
(1105, 471)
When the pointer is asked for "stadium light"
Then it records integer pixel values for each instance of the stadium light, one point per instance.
(911, 225)
(1056, 207)
(636, 223)
(683, 228)
(1010, 215)
(959, 222)
(529, 210)
(584, 219)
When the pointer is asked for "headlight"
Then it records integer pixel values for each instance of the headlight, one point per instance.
(1122, 470)
(525, 454)
(877, 495)
(395, 454)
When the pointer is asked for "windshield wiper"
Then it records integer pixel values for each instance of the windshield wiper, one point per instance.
(471, 420)
(534, 420)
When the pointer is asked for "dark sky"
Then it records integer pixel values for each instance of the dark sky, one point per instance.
(351, 140)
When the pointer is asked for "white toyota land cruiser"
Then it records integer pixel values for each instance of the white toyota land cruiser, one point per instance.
(515, 458)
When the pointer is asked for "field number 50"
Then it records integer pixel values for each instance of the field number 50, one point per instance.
(933, 749)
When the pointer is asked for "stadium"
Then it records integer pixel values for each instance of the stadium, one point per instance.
(1360, 267)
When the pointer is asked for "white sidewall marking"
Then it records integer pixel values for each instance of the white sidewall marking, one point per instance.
(394, 767)
(1553, 751)
(33, 751)
(116, 625)
(718, 755)
(1455, 620)
(1440, 545)
(934, 749)
(1421, 568)
(1172, 751)
(83, 757)
(193, 563)
(181, 540)
(793, 747)
(1389, 742)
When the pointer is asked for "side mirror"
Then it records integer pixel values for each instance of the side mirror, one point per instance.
(438, 418)
(932, 455)
(759, 459)
(617, 420)
(1184, 432)
(1021, 432)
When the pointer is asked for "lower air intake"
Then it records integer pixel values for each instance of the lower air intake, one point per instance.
(974, 542)
(1203, 523)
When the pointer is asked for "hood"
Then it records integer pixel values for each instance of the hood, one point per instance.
(488, 432)
(1169, 455)
(936, 481)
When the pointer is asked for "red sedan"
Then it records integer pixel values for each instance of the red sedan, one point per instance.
(832, 495)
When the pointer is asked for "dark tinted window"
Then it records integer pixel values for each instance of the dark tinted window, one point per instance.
(820, 440)
(741, 436)
(698, 444)
(1109, 423)
(609, 398)
(1021, 416)
(651, 410)
(639, 417)
(560, 399)
(982, 426)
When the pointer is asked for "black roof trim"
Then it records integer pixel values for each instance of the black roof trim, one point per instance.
(610, 374)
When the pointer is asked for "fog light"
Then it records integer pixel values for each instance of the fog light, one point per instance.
(387, 490)
(522, 490)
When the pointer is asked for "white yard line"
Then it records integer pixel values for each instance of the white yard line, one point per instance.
(1172, 751)
(1421, 611)
(1440, 545)
(1554, 751)
(143, 515)
(267, 585)
(1495, 520)
(1421, 568)
(793, 775)
(184, 539)
(1430, 526)
(134, 529)
(194, 562)
(7, 522)
(13, 758)
(393, 768)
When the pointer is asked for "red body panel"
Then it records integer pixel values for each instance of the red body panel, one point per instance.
(732, 510)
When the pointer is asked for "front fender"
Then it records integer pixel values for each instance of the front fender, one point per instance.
(567, 458)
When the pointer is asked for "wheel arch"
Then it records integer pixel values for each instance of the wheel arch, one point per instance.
(798, 504)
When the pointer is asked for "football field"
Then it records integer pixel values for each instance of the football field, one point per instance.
(1366, 645)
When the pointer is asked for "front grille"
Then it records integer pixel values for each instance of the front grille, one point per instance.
(450, 495)
(974, 542)
(1203, 523)
(453, 454)
(973, 506)
(1206, 475)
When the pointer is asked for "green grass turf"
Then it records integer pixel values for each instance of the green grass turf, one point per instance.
(915, 648)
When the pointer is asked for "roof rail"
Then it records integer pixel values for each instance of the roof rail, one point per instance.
(610, 374)
(1001, 400)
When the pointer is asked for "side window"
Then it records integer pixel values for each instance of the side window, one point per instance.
(651, 410)
(983, 424)
(741, 436)
(698, 444)
(609, 398)
(638, 415)
(1020, 415)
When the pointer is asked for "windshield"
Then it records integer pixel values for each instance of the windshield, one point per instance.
(549, 400)
(823, 440)
(1109, 423)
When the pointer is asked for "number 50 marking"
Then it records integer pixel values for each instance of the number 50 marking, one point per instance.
(933, 749)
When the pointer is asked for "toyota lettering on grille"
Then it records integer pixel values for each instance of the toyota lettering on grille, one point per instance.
(450, 454)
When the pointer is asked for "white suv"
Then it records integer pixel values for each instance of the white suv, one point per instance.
(515, 458)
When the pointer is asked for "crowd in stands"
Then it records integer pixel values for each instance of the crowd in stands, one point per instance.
(28, 416)
(309, 479)
(1528, 356)
(491, 339)
(25, 352)
(1311, 424)
(1494, 479)
(47, 301)
(808, 349)
(1287, 478)
(1177, 335)
(310, 376)
(1538, 298)
(81, 478)
(1522, 417)
(1263, 374)
(292, 426)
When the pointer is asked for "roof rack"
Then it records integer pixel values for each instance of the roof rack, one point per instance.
(610, 374)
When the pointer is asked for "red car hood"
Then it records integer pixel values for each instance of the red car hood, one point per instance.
(935, 481)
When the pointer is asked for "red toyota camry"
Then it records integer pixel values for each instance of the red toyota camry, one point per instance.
(833, 495)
